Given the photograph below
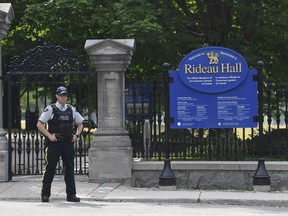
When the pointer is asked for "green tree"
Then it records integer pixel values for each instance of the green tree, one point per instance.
(164, 30)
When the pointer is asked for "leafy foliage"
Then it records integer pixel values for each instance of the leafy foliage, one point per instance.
(164, 30)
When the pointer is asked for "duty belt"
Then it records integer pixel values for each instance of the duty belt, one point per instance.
(64, 137)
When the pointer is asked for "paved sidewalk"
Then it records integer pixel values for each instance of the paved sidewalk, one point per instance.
(28, 188)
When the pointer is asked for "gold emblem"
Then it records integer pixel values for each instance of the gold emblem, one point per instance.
(213, 57)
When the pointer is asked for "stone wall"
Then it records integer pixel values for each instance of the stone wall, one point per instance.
(210, 175)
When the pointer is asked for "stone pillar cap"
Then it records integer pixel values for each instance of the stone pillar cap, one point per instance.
(6, 8)
(110, 46)
(6, 18)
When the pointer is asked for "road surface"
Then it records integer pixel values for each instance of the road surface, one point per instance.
(87, 208)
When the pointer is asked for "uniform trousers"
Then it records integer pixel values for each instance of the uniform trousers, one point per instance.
(53, 151)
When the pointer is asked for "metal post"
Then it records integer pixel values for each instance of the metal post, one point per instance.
(167, 177)
(261, 178)
(9, 81)
(147, 138)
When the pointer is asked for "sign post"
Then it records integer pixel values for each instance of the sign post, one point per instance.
(261, 178)
(167, 178)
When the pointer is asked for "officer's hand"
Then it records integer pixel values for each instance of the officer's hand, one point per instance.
(52, 138)
(74, 139)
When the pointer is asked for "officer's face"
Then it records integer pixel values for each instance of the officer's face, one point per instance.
(61, 98)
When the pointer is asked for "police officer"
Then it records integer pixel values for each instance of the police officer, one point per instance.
(62, 120)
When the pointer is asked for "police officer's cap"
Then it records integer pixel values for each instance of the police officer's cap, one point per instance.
(61, 91)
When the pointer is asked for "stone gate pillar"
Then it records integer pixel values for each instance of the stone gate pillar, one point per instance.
(6, 18)
(110, 155)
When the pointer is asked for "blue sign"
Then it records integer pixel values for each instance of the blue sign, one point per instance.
(213, 88)
(213, 69)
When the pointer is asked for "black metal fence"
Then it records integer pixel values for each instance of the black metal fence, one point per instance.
(146, 126)
(30, 86)
(27, 152)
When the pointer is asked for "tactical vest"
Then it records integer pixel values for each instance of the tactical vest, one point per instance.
(62, 121)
